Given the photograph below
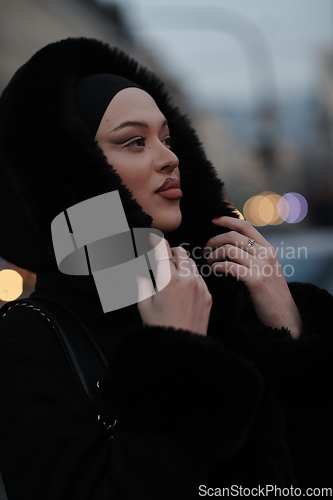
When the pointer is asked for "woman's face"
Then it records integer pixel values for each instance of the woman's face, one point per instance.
(135, 139)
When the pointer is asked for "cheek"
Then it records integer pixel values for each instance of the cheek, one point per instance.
(135, 171)
(135, 181)
(135, 175)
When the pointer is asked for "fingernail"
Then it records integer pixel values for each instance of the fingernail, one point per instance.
(215, 218)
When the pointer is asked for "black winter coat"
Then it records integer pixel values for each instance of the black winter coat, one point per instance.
(245, 406)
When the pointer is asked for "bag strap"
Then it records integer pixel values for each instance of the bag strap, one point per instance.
(83, 353)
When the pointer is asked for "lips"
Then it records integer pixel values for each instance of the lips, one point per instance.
(169, 183)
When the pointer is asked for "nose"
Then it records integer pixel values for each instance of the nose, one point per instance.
(165, 159)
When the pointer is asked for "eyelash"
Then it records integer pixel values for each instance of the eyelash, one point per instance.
(168, 140)
(135, 142)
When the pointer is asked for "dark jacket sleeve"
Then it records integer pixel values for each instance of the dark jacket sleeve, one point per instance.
(299, 370)
(178, 398)
(303, 368)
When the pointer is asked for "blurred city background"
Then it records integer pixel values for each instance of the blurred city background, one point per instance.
(255, 77)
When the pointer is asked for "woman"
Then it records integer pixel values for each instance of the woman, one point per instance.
(214, 381)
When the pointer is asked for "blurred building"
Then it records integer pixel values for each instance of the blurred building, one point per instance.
(28, 25)
(323, 145)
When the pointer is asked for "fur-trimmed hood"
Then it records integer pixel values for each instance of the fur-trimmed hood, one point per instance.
(49, 160)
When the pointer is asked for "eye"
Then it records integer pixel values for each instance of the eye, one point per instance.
(138, 142)
(168, 142)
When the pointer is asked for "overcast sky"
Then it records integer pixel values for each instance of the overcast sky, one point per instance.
(226, 50)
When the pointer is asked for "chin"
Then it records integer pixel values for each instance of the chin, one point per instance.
(169, 223)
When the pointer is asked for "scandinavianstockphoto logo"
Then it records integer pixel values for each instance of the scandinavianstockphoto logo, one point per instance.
(265, 260)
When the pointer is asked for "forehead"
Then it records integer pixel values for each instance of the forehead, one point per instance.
(132, 104)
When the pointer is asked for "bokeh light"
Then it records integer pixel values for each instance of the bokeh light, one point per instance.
(11, 285)
(269, 208)
(297, 208)
(262, 209)
(251, 210)
(283, 208)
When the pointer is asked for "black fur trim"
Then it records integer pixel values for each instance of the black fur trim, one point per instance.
(49, 160)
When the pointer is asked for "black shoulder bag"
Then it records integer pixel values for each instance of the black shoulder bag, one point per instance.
(85, 357)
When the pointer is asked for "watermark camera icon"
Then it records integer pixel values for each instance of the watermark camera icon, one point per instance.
(93, 238)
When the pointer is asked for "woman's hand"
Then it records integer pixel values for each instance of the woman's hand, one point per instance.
(257, 265)
(185, 302)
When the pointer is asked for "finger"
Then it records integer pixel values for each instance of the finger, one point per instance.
(242, 227)
(186, 266)
(160, 245)
(195, 270)
(231, 238)
(183, 265)
(145, 289)
(241, 273)
(161, 261)
(230, 252)
(197, 274)
(187, 263)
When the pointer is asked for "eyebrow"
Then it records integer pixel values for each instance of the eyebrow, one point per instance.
(135, 124)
